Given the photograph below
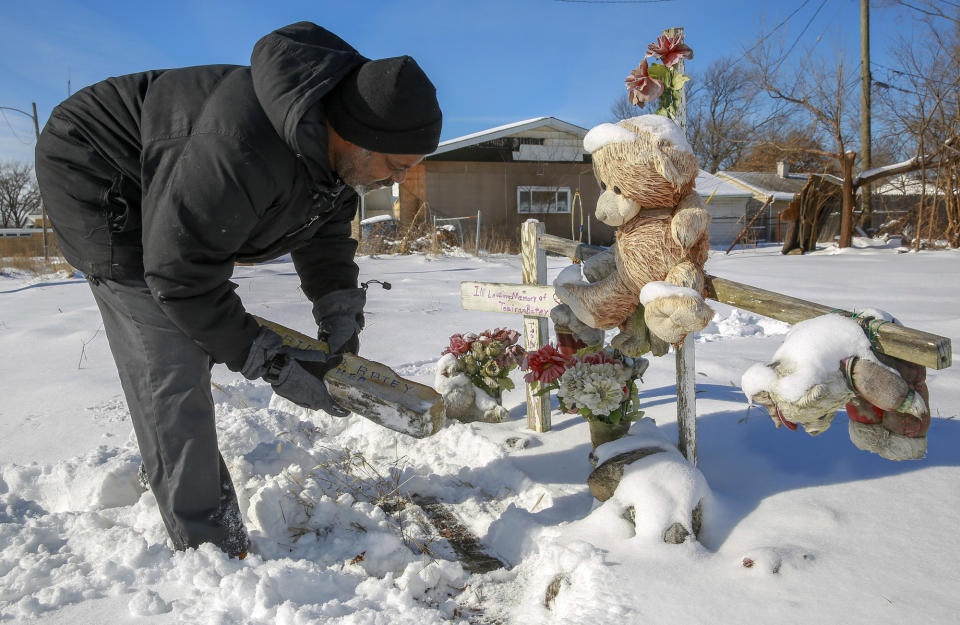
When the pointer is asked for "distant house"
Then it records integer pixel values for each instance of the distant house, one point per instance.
(535, 168)
(896, 197)
(777, 190)
(726, 203)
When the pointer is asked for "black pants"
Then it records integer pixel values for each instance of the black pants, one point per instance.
(164, 374)
(166, 380)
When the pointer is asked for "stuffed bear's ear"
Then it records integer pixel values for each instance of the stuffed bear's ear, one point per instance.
(665, 167)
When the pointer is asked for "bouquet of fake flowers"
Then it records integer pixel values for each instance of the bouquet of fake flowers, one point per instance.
(487, 358)
(660, 83)
(599, 386)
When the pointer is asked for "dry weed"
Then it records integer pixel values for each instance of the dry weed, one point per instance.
(347, 472)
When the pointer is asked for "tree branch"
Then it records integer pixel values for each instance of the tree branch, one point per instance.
(906, 166)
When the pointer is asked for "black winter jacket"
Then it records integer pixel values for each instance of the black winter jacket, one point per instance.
(206, 169)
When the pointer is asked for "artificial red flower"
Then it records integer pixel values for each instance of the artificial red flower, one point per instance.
(641, 86)
(670, 50)
(458, 346)
(544, 365)
(500, 334)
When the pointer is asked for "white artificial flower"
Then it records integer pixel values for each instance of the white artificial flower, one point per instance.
(602, 394)
(597, 387)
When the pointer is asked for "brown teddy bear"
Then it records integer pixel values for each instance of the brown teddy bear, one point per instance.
(646, 171)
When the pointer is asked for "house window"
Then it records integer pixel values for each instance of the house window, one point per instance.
(543, 199)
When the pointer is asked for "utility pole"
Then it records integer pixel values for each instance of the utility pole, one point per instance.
(43, 210)
(865, 83)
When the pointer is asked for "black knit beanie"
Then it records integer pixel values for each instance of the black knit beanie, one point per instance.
(388, 105)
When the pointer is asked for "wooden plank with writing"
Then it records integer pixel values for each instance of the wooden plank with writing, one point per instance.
(374, 390)
(535, 328)
(518, 299)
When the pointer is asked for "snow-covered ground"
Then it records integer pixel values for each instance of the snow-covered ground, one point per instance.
(835, 534)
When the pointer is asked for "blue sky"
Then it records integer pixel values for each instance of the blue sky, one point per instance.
(493, 62)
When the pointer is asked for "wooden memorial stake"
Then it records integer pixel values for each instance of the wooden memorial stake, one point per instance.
(686, 361)
(535, 329)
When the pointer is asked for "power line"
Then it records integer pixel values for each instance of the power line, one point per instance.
(797, 40)
(777, 27)
(10, 126)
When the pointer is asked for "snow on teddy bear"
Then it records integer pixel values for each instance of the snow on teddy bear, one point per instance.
(828, 362)
(646, 171)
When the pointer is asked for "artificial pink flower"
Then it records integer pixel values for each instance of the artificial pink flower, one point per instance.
(641, 86)
(458, 346)
(511, 356)
(670, 50)
(544, 365)
(508, 337)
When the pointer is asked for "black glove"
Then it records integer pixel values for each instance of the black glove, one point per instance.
(339, 316)
(296, 374)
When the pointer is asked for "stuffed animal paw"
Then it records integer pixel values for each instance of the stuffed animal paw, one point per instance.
(672, 312)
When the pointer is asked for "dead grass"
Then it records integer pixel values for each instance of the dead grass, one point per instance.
(33, 265)
(347, 472)
(499, 242)
(25, 254)
(414, 239)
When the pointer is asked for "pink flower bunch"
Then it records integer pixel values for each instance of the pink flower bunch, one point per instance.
(647, 83)
(599, 386)
(459, 344)
(487, 358)
(500, 334)
(600, 358)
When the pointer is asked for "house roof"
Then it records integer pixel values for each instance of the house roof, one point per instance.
(506, 131)
(708, 185)
(764, 184)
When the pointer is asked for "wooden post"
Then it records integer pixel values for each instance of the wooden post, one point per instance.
(535, 329)
(686, 375)
(681, 118)
(686, 399)
(43, 208)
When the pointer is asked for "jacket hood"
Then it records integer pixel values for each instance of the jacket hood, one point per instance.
(293, 68)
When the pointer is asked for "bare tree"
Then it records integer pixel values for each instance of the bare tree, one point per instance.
(722, 118)
(19, 195)
(920, 101)
(796, 145)
(622, 108)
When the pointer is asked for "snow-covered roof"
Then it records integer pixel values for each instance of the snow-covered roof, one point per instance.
(763, 185)
(709, 185)
(506, 131)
